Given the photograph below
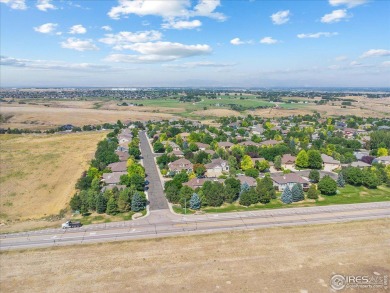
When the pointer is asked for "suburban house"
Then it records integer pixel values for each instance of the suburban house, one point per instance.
(198, 182)
(248, 180)
(216, 168)
(270, 142)
(257, 129)
(118, 167)
(360, 164)
(382, 160)
(123, 147)
(112, 178)
(123, 156)
(184, 135)
(179, 165)
(360, 154)
(248, 142)
(225, 145)
(329, 164)
(288, 162)
(111, 187)
(202, 146)
(177, 153)
(282, 180)
(172, 144)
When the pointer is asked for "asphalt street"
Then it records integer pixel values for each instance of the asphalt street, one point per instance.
(157, 199)
(162, 223)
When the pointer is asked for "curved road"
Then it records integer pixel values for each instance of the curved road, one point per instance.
(161, 222)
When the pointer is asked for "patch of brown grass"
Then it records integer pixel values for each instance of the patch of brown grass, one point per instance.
(294, 259)
(39, 172)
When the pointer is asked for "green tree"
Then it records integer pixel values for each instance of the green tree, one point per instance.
(138, 202)
(124, 200)
(136, 168)
(101, 204)
(278, 162)
(135, 152)
(252, 172)
(199, 169)
(268, 185)
(185, 195)
(158, 147)
(246, 198)
(353, 175)
(302, 160)
(315, 160)
(382, 152)
(195, 202)
(286, 196)
(297, 193)
(112, 207)
(262, 165)
(172, 193)
(327, 186)
(314, 176)
(246, 163)
(312, 193)
(213, 193)
(340, 180)
(75, 202)
(232, 189)
(371, 179)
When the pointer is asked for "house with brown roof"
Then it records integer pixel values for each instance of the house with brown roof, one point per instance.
(248, 143)
(270, 142)
(281, 181)
(248, 180)
(177, 153)
(329, 164)
(198, 182)
(216, 168)
(202, 146)
(118, 167)
(123, 156)
(225, 144)
(288, 162)
(184, 135)
(112, 178)
(179, 165)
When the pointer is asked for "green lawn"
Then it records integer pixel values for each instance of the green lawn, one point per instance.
(104, 218)
(348, 195)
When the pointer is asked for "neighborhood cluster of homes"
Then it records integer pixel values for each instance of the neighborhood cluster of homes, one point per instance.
(218, 167)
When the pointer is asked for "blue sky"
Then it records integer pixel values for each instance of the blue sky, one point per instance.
(195, 43)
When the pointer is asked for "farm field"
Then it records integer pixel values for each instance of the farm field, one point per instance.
(293, 259)
(38, 175)
(44, 114)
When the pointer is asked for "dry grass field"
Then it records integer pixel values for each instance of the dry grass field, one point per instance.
(43, 117)
(38, 174)
(295, 259)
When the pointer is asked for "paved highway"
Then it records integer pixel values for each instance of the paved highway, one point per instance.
(163, 223)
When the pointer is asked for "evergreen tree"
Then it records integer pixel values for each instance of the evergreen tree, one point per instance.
(195, 202)
(312, 193)
(297, 193)
(245, 198)
(340, 180)
(244, 187)
(124, 200)
(112, 207)
(278, 162)
(314, 176)
(327, 186)
(137, 203)
(286, 196)
(101, 203)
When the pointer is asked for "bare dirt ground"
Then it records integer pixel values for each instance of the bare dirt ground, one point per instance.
(38, 174)
(217, 113)
(48, 117)
(294, 259)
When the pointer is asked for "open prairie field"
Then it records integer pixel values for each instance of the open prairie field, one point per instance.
(294, 259)
(38, 174)
(57, 114)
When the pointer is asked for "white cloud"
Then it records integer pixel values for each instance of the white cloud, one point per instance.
(79, 45)
(317, 35)
(341, 58)
(268, 41)
(77, 29)
(336, 16)
(106, 28)
(167, 9)
(375, 53)
(281, 17)
(45, 5)
(385, 64)
(199, 64)
(355, 64)
(159, 52)
(46, 28)
(122, 40)
(52, 65)
(348, 3)
(15, 4)
(236, 42)
(182, 24)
